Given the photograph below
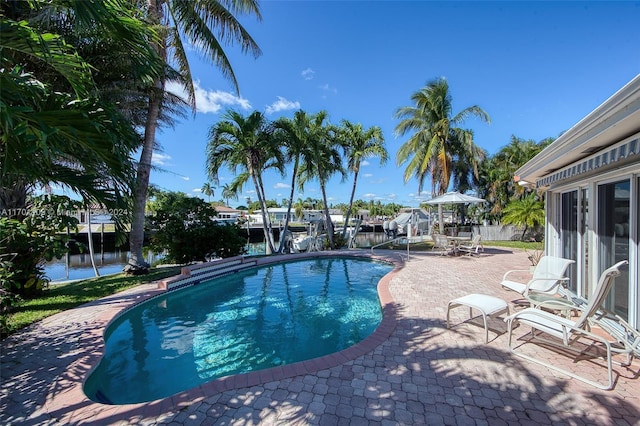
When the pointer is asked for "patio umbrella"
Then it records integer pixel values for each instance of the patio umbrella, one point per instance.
(451, 198)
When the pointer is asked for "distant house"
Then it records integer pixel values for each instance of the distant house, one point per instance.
(591, 177)
(279, 214)
(227, 214)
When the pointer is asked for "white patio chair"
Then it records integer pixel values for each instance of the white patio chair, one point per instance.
(474, 247)
(548, 277)
(440, 242)
(568, 333)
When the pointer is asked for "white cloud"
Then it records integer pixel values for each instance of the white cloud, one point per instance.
(364, 163)
(187, 178)
(326, 88)
(280, 185)
(308, 74)
(282, 104)
(196, 190)
(369, 195)
(160, 159)
(367, 175)
(209, 100)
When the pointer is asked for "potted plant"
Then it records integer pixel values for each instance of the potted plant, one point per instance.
(534, 257)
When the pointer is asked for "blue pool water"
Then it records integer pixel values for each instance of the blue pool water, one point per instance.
(259, 318)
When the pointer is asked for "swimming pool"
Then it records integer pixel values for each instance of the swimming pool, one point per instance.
(254, 319)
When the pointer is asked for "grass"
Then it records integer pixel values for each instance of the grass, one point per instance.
(60, 297)
(523, 245)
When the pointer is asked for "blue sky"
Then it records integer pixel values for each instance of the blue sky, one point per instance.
(537, 68)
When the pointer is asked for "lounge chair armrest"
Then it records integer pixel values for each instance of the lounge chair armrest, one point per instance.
(506, 274)
(560, 304)
(549, 281)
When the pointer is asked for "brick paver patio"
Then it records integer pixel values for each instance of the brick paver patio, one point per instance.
(413, 372)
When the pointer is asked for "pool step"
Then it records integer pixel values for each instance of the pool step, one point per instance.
(195, 274)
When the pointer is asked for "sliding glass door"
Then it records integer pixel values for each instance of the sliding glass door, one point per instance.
(613, 220)
(569, 234)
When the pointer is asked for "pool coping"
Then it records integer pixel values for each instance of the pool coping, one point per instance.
(76, 395)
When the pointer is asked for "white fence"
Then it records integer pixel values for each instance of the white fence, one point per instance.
(498, 232)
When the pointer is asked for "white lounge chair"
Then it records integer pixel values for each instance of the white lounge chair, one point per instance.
(548, 276)
(569, 332)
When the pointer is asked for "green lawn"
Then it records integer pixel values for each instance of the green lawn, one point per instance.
(60, 297)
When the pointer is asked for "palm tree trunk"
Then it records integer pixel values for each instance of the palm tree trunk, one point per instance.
(266, 221)
(136, 262)
(327, 215)
(353, 193)
(13, 198)
(286, 220)
(90, 242)
(440, 219)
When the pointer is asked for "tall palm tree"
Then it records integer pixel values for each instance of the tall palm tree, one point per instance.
(436, 139)
(245, 143)
(228, 193)
(294, 135)
(207, 189)
(360, 144)
(437, 143)
(204, 25)
(321, 160)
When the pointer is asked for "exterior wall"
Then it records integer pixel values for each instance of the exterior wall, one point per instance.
(595, 246)
(591, 179)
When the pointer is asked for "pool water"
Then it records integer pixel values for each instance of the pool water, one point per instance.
(259, 318)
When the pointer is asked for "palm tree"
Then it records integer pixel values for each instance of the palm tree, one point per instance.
(228, 193)
(496, 182)
(245, 143)
(207, 190)
(527, 212)
(83, 143)
(360, 144)
(437, 143)
(57, 126)
(294, 135)
(431, 149)
(203, 25)
(299, 209)
(321, 160)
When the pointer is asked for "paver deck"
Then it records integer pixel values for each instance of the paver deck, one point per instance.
(415, 372)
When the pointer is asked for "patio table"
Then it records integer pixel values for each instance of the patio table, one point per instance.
(456, 241)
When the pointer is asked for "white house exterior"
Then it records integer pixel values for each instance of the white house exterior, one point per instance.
(591, 177)
(227, 214)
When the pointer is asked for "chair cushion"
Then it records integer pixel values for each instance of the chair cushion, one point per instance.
(544, 321)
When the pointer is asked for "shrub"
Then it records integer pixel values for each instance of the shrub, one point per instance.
(185, 228)
(32, 237)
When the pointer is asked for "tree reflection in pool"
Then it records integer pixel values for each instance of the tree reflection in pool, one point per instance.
(259, 318)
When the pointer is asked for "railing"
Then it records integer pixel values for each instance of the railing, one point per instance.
(406, 239)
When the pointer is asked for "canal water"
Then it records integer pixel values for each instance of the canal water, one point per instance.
(111, 261)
